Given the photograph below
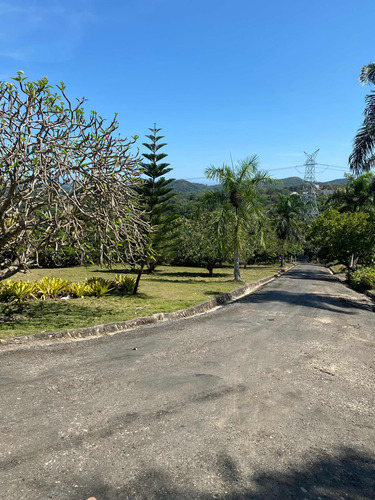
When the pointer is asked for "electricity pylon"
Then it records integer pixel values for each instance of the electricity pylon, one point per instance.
(309, 191)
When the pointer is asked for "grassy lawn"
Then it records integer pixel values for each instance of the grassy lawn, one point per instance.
(168, 289)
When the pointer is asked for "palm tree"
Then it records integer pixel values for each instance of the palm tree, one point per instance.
(288, 215)
(237, 199)
(357, 196)
(362, 158)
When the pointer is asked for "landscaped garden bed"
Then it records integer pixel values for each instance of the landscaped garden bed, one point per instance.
(168, 289)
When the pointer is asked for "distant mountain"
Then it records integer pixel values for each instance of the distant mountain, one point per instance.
(183, 187)
(336, 182)
(288, 182)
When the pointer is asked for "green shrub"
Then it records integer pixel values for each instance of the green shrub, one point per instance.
(362, 278)
(80, 290)
(124, 284)
(49, 287)
(99, 286)
(16, 290)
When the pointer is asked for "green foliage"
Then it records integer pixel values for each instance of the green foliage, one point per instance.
(288, 222)
(80, 290)
(16, 290)
(238, 200)
(357, 196)
(124, 284)
(345, 237)
(362, 158)
(362, 278)
(51, 288)
(99, 287)
(157, 194)
(204, 241)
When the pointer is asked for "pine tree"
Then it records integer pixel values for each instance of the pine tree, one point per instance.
(157, 196)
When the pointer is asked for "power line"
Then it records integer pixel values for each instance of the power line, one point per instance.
(296, 167)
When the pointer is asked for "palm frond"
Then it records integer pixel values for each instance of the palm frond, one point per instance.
(367, 75)
(364, 142)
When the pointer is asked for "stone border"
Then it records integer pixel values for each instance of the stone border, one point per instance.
(121, 326)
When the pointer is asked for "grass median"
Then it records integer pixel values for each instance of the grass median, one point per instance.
(168, 289)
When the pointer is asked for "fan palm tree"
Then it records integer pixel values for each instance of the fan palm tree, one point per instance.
(362, 158)
(237, 200)
(288, 215)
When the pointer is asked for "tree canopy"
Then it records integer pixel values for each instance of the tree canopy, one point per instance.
(65, 179)
(362, 158)
(237, 199)
(156, 195)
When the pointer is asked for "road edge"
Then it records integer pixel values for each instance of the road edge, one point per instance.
(344, 281)
(122, 326)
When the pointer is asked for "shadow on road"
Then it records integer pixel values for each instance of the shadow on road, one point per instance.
(348, 475)
(341, 305)
(316, 276)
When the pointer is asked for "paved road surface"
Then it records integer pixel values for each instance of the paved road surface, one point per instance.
(271, 397)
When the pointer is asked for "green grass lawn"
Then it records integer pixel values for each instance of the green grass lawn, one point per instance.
(168, 289)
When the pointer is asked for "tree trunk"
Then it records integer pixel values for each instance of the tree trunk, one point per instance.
(210, 271)
(236, 264)
(138, 278)
(282, 260)
(101, 257)
(151, 266)
(9, 271)
(353, 261)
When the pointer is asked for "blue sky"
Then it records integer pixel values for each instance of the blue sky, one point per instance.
(273, 78)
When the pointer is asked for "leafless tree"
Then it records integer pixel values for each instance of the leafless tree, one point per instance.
(64, 179)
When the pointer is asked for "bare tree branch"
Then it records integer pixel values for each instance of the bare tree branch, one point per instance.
(63, 178)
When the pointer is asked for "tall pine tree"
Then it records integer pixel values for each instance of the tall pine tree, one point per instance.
(157, 195)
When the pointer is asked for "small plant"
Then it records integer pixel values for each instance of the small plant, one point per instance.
(49, 287)
(362, 279)
(124, 284)
(80, 290)
(99, 286)
(16, 290)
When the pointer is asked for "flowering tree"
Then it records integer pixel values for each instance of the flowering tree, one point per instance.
(64, 179)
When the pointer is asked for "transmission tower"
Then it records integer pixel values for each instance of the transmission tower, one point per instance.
(309, 192)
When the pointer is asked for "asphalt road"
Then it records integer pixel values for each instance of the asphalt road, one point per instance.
(270, 397)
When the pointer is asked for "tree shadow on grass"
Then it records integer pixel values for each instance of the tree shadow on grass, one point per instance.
(116, 271)
(192, 281)
(347, 474)
(187, 274)
(53, 315)
(213, 293)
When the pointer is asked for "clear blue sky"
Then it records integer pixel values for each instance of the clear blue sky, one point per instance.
(273, 78)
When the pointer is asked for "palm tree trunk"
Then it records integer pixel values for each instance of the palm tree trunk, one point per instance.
(282, 260)
(236, 264)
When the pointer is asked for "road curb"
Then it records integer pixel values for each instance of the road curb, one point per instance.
(121, 326)
(344, 281)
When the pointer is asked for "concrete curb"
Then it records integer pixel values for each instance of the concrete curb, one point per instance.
(344, 281)
(121, 326)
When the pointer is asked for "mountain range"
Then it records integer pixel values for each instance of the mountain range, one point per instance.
(182, 186)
